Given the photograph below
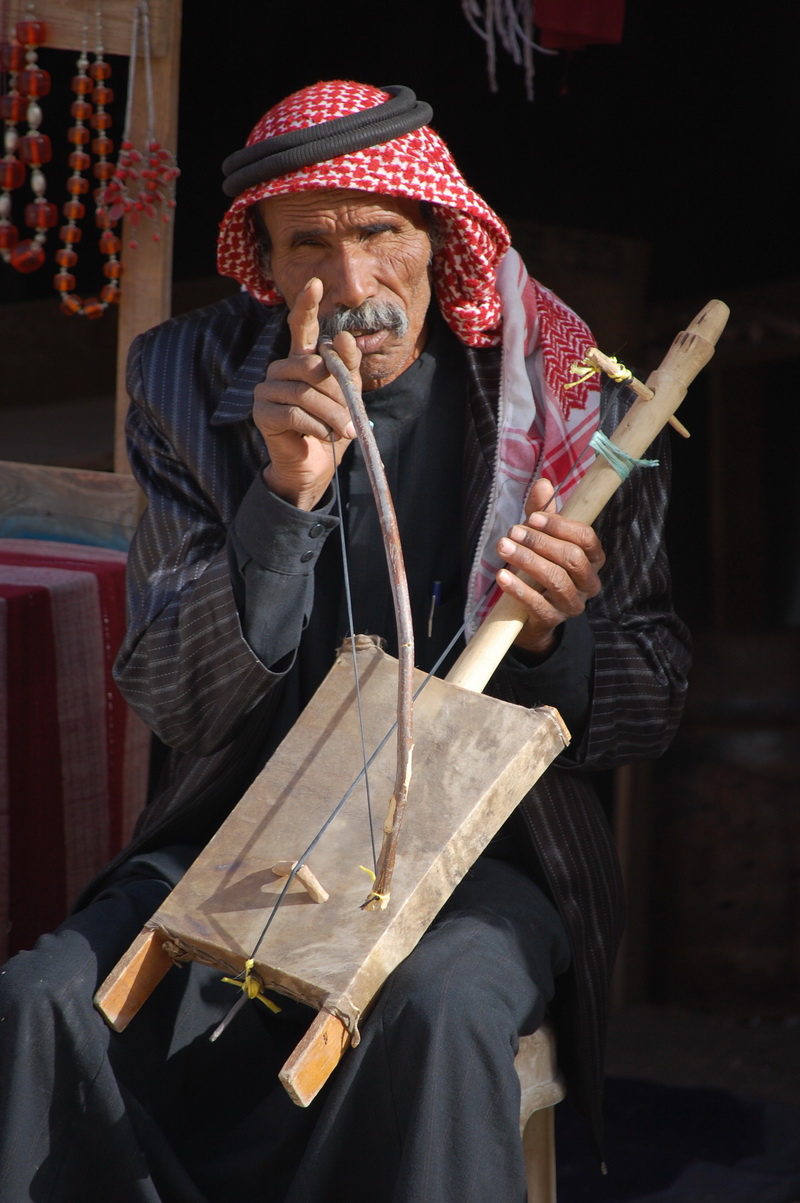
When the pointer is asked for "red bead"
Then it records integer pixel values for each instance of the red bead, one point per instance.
(110, 294)
(113, 269)
(79, 160)
(93, 307)
(12, 56)
(103, 219)
(100, 69)
(102, 145)
(31, 33)
(77, 185)
(35, 149)
(13, 107)
(41, 215)
(9, 236)
(70, 305)
(34, 81)
(70, 234)
(65, 257)
(102, 96)
(64, 282)
(100, 120)
(79, 135)
(104, 170)
(81, 110)
(82, 85)
(109, 243)
(12, 174)
(27, 256)
(73, 210)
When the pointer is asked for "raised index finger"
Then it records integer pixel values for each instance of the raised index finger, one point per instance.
(304, 320)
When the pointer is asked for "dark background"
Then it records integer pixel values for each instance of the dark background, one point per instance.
(684, 135)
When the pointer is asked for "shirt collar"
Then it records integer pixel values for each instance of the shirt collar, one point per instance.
(236, 403)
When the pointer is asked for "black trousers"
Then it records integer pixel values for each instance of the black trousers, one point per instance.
(425, 1109)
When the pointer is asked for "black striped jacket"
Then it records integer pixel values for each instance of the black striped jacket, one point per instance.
(186, 668)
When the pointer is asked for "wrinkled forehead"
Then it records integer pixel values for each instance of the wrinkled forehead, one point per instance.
(341, 208)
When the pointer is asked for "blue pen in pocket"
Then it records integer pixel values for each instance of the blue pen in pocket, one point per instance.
(436, 600)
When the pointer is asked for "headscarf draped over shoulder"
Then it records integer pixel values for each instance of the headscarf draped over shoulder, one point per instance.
(416, 165)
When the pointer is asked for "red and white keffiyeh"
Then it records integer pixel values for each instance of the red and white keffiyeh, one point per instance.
(483, 290)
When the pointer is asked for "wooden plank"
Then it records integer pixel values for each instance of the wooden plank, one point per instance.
(138, 973)
(315, 1058)
(36, 502)
(65, 19)
(147, 281)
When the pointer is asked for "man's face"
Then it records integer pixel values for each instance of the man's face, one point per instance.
(365, 249)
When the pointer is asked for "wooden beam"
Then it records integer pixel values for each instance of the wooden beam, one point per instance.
(65, 20)
(147, 280)
(68, 503)
(142, 968)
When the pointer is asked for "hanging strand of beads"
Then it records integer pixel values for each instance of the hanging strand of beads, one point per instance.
(93, 93)
(33, 149)
(143, 184)
(12, 169)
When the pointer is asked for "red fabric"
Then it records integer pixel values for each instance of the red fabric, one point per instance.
(34, 827)
(73, 756)
(576, 24)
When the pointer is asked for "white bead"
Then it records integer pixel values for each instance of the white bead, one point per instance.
(5, 204)
(34, 115)
(38, 182)
(11, 140)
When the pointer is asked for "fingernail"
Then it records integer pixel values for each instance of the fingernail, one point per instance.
(350, 431)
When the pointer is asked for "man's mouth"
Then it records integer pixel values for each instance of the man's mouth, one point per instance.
(369, 341)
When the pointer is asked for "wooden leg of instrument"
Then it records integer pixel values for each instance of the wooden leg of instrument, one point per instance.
(133, 979)
(315, 1058)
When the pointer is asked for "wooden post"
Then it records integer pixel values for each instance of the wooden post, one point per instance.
(147, 281)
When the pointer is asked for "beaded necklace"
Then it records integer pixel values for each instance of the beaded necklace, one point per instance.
(143, 183)
(92, 94)
(28, 83)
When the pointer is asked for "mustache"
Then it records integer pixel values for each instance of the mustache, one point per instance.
(368, 318)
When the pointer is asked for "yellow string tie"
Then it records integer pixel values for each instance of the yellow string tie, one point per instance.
(587, 368)
(252, 986)
(374, 893)
(623, 373)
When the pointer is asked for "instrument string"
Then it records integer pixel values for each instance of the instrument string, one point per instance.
(351, 626)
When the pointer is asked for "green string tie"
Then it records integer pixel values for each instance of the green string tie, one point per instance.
(622, 463)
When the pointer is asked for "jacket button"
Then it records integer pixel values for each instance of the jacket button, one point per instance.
(306, 556)
(316, 530)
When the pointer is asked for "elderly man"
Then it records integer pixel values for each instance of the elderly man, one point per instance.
(350, 219)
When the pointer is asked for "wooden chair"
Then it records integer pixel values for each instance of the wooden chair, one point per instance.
(542, 1087)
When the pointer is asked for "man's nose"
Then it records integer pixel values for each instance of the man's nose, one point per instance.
(352, 277)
